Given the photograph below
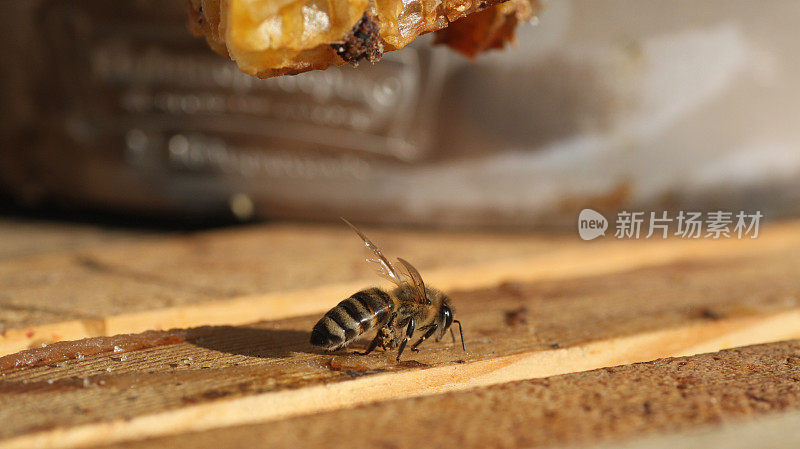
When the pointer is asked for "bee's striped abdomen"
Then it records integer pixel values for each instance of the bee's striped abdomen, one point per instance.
(354, 316)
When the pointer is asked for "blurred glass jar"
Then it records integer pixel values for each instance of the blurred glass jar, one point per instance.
(115, 105)
(606, 104)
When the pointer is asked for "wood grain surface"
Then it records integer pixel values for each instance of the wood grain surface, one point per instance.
(276, 271)
(234, 375)
(601, 406)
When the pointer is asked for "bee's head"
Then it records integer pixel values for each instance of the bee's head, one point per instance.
(446, 321)
(447, 316)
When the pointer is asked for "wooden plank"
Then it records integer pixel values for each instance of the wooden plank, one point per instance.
(610, 406)
(224, 376)
(235, 277)
(157, 282)
(20, 237)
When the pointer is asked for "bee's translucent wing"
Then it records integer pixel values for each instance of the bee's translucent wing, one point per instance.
(416, 280)
(385, 269)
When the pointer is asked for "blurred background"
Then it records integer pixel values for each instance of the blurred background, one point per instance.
(114, 109)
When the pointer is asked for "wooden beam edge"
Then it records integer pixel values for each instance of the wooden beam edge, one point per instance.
(696, 338)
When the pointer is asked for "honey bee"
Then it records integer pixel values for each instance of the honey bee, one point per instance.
(396, 314)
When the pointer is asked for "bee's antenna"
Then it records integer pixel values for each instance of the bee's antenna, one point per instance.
(461, 332)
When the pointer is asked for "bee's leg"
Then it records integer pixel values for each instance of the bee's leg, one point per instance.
(387, 334)
(387, 337)
(424, 337)
(409, 334)
(452, 335)
(390, 323)
(372, 346)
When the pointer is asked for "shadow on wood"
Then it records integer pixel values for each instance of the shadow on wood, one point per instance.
(257, 342)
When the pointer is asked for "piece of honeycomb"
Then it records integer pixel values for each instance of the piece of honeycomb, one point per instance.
(277, 37)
